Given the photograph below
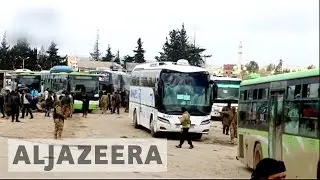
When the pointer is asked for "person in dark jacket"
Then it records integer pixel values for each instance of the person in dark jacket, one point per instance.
(2, 105)
(15, 104)
(26, 100)
(269, 169)
(48, 105)
(109, 102)
(116, 102)
(85, 104)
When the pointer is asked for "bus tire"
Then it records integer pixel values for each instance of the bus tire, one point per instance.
(154, 133)
(257, 155)
(135, 120)
(197, 136)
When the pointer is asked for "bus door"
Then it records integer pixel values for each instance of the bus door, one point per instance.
(275, 124)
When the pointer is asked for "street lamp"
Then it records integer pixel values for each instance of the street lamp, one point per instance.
(23, 59)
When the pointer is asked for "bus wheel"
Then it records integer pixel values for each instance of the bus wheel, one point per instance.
(135, 120)
(153, 128)
(257, 156)
(198, 136)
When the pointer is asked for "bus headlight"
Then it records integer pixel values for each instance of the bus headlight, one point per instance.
(205, 122)
(163, 120)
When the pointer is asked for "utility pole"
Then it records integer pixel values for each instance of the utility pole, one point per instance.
(23, 59)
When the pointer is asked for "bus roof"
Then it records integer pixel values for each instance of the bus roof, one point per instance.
(169, 66)
(280, 77)
(26, 73)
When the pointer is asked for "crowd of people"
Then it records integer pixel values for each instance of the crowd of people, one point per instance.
(14, 102)
(113, 101)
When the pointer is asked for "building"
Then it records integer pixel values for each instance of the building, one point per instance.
(86, 65)
(73, 62)
(215, 70)
(230, 70)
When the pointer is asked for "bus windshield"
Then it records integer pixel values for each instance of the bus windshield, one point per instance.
(85, 83)
(32, 82)
(227, 93)
(190, 90)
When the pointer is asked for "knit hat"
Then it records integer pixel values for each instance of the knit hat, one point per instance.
(267, 167)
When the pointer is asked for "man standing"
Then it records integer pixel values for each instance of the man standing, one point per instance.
(104, 102)
(226, 118)
(186, 123)
(85, 104)
(26, 100)
(66, 104)
(233, 124)
(58, 118)
(116, 102)
(15, 103)
(48, 104)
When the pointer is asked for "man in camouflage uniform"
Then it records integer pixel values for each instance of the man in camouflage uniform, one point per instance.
(58, 117)
(233, 124)
(104, 102)
(226, 118)
(116, 102)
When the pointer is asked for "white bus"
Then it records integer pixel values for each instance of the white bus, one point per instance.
(159, 90)
(228, 91)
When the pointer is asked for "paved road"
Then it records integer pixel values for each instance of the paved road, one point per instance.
(212, 157)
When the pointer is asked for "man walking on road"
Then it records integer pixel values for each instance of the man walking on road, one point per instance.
(26, 100)
(232, 116)
(226, 118)
(116, 102)
(186, 123)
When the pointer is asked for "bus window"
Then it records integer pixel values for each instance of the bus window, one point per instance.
(313, 90)
(262, 93)
(250, 95)
(245, 95)
(308, 124)
(291, 115)
(305, 90)
(294, 92)
(255, 94)
(242, 95)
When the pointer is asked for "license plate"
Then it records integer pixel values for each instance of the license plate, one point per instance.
(192, 126)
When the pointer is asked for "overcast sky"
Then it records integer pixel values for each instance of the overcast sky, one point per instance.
(269, 30)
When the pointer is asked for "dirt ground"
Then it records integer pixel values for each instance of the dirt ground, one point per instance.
(212, 157)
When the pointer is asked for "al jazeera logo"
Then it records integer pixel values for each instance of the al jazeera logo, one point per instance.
(87, 155)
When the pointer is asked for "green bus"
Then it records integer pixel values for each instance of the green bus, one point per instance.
(75, 82)
(278, 117)
(31, 80)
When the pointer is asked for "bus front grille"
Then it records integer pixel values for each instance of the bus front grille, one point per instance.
(241, 149)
